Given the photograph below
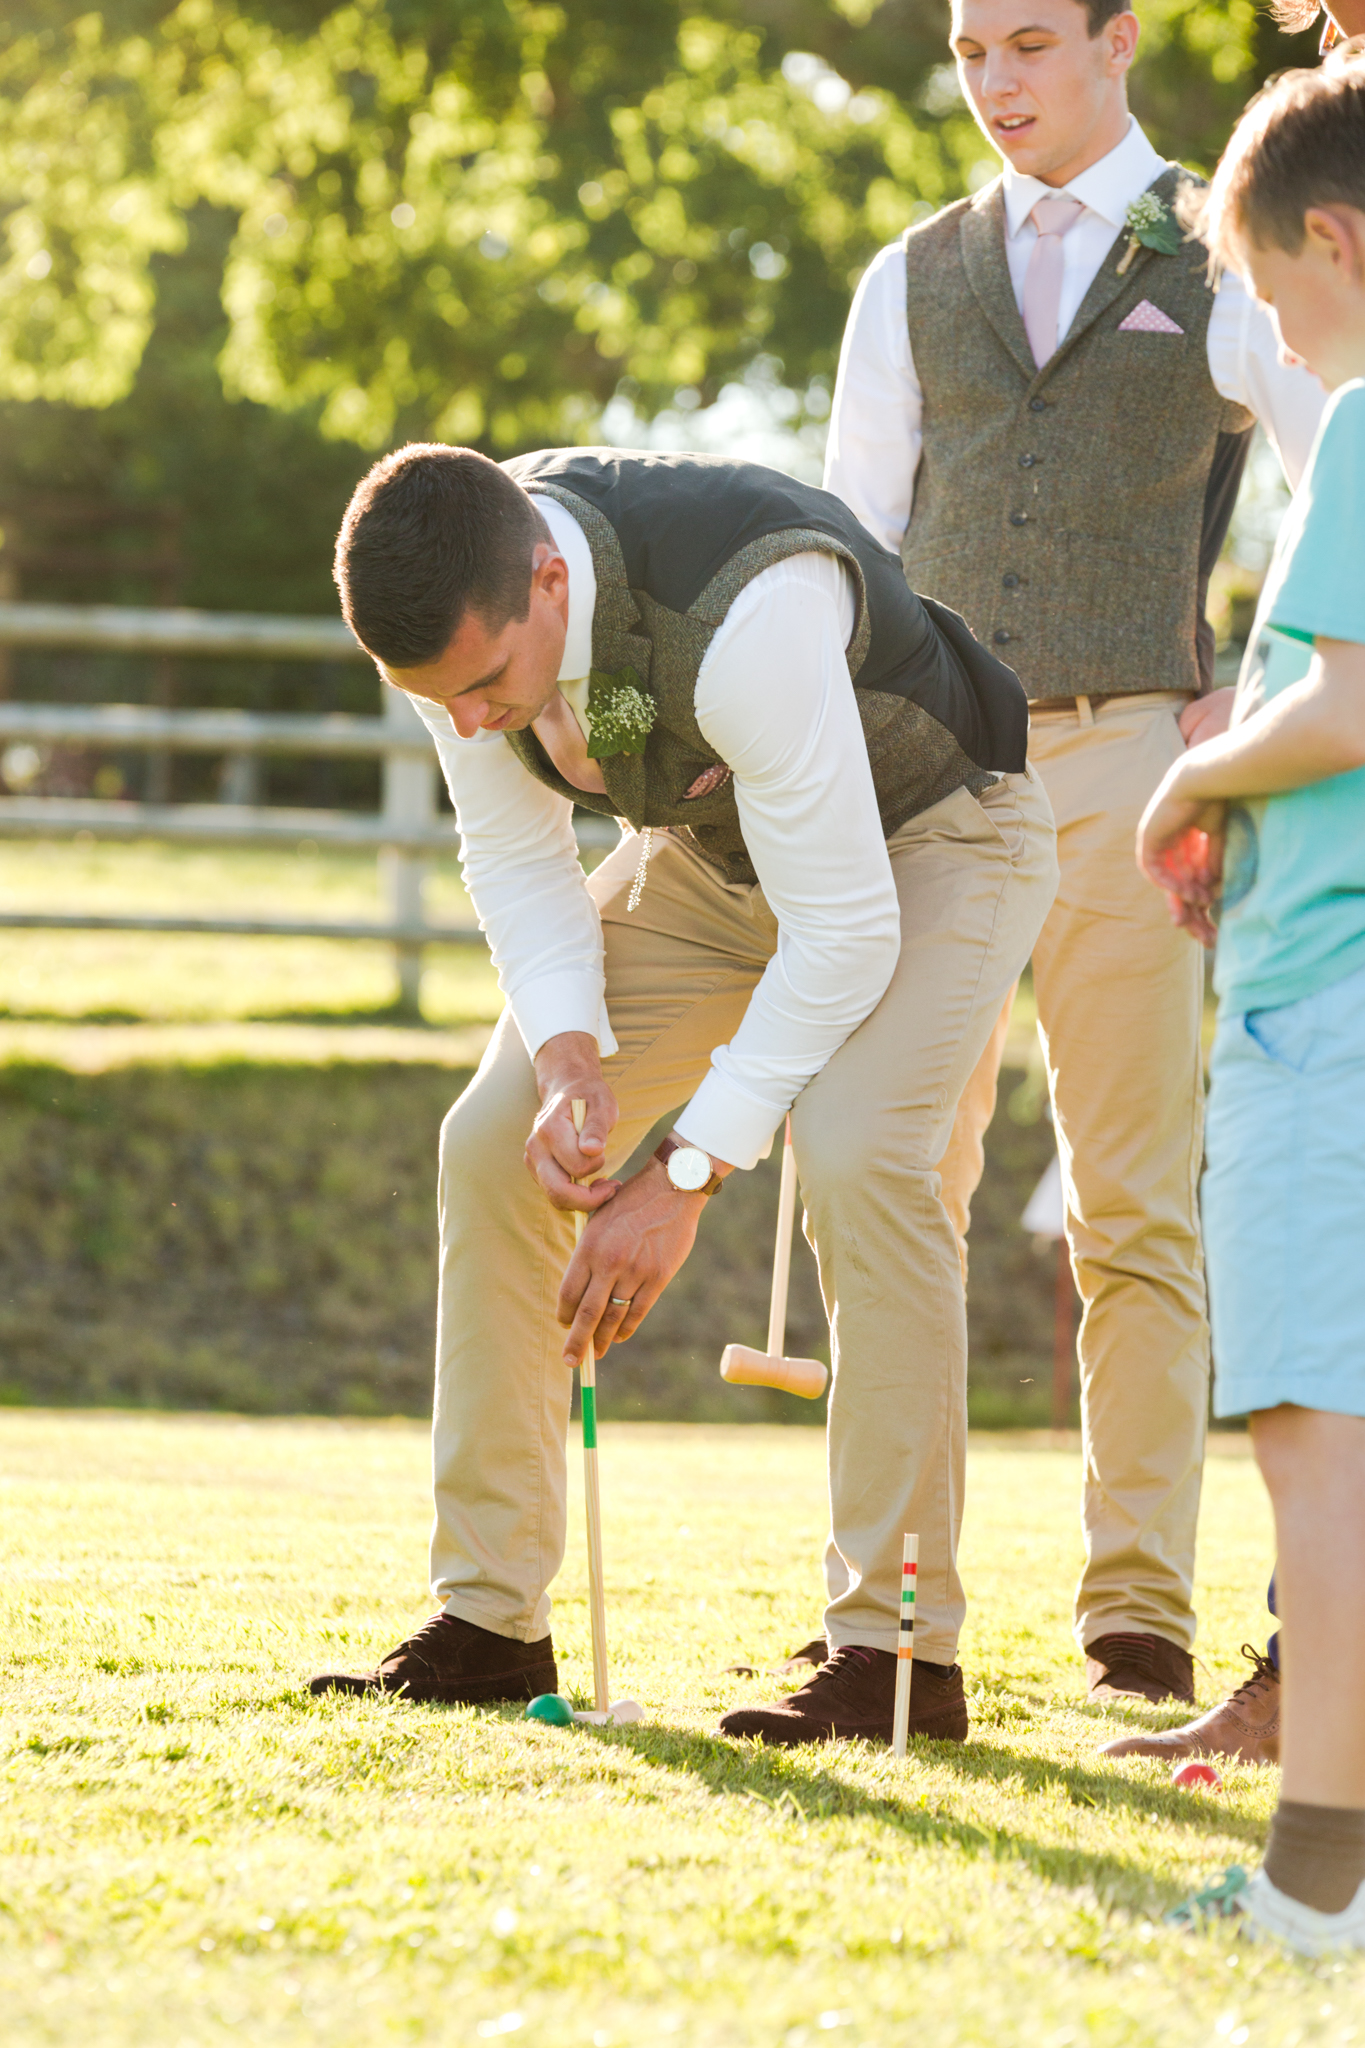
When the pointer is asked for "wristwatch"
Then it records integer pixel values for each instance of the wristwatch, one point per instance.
(688, 1167)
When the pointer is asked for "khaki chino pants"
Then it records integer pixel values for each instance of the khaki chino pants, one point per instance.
(974, 879)
(1120, 997)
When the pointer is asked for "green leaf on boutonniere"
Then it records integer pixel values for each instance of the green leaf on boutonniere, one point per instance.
(621, 713)
(1151, 225)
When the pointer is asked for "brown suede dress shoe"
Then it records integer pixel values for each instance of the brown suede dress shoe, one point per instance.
(1245, 1728)
(811, 1655)
(1138, 1667)
(456, 1664)
(854, 1695)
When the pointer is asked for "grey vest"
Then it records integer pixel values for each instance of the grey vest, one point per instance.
(1072, 514)
(674, 540)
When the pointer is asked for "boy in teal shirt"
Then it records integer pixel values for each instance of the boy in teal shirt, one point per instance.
(1262, 832)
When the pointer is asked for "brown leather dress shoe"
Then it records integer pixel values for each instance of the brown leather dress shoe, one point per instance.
(456, 1664)
(854, 1694)
(1138, 1667)
(1246, 1727)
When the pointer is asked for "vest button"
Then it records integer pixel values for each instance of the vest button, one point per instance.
(1011, 582)
(1037, 405)
(1018, 518)
(1002, 638)
(1027, 461)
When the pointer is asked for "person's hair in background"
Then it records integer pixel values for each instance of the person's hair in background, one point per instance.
(1343, 18)
(1300, 144)
(431, 533)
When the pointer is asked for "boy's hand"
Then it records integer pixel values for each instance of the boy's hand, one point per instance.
(1180, 849)
(569, 1067)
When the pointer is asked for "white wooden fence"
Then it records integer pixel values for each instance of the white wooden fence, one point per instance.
(405, 831)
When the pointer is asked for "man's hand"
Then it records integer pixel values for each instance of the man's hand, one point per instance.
(1204, 718)
(568, 1067)
(630, 1251)
(1180, 848)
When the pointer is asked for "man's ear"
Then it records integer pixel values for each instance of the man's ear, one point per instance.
(1121, 33)
(549, 572)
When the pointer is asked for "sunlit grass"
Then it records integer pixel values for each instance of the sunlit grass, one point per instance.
(193, 1851)
(187, 978)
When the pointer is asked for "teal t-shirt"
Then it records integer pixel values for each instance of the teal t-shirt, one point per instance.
(1293, 912)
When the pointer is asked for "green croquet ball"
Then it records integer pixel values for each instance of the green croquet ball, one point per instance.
(550, 1707)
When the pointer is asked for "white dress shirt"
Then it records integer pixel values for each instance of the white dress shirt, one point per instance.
(876, 427)
(775, 699)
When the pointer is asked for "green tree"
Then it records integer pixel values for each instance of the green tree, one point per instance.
(244, 244)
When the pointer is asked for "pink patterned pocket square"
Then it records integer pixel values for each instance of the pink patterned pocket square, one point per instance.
(1146, 318)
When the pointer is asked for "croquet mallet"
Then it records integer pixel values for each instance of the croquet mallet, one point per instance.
(587, 1376)
(740, 1364)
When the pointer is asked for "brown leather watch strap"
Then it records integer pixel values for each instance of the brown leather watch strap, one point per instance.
(671, 1144)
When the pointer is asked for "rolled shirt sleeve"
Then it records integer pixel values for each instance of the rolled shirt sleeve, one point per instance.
(776, 701)
(522, 871)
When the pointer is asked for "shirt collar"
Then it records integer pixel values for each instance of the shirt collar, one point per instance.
(1107, 188)
(570, 539)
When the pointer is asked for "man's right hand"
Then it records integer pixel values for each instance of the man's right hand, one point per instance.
(569, 1069)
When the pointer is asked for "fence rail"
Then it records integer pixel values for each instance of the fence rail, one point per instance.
(404, 833)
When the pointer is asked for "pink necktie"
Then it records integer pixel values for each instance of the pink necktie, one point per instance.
(1043, 279)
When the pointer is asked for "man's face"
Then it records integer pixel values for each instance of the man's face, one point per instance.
(501, 680)
(1049, 96)
(1316, 294)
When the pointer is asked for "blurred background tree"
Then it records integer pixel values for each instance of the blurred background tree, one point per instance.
(246, 248)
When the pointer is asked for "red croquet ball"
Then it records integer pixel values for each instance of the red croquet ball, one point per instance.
(1189, 1776)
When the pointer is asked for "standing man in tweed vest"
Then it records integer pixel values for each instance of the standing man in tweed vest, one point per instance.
(1045, 407)
(838, 864)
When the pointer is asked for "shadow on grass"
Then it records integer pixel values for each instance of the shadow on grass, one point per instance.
(795, 1787)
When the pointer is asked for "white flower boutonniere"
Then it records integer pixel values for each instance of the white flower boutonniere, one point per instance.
(1151, 225)
(621, 713)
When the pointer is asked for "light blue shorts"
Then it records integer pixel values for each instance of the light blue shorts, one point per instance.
(1284, 1204)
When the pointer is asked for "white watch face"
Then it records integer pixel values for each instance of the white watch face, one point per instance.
(689, 1169)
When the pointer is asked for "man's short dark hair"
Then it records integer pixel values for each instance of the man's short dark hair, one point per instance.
(1100, 11)
(1300, 143)
(432, 533)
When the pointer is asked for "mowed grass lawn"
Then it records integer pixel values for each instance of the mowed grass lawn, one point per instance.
(195, 1852)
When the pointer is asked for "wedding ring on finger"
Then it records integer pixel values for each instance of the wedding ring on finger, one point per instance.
(621, 1300)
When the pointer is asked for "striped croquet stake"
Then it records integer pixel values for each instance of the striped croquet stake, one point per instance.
(588, 1387)
(905, 1648)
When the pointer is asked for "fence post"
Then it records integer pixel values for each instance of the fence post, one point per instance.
(410, 802)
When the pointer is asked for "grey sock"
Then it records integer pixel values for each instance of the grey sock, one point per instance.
(1316, 1854)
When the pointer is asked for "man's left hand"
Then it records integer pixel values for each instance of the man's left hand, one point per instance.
(631, 1249)
(1204, 718)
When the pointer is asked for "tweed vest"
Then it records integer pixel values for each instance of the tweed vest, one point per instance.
(1072, 514)
(674, 540)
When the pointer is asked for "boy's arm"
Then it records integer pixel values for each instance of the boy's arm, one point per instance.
(1312, 730)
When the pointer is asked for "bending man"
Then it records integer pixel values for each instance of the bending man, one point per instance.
(838, 863)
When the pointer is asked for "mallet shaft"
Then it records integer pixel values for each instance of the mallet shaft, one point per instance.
(587, 1380)
(782, 1251)
(905, 1647)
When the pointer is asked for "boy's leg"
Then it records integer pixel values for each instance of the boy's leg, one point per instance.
(680, 970)
(1313, 1464)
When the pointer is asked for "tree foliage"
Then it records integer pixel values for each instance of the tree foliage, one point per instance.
(474, 221)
